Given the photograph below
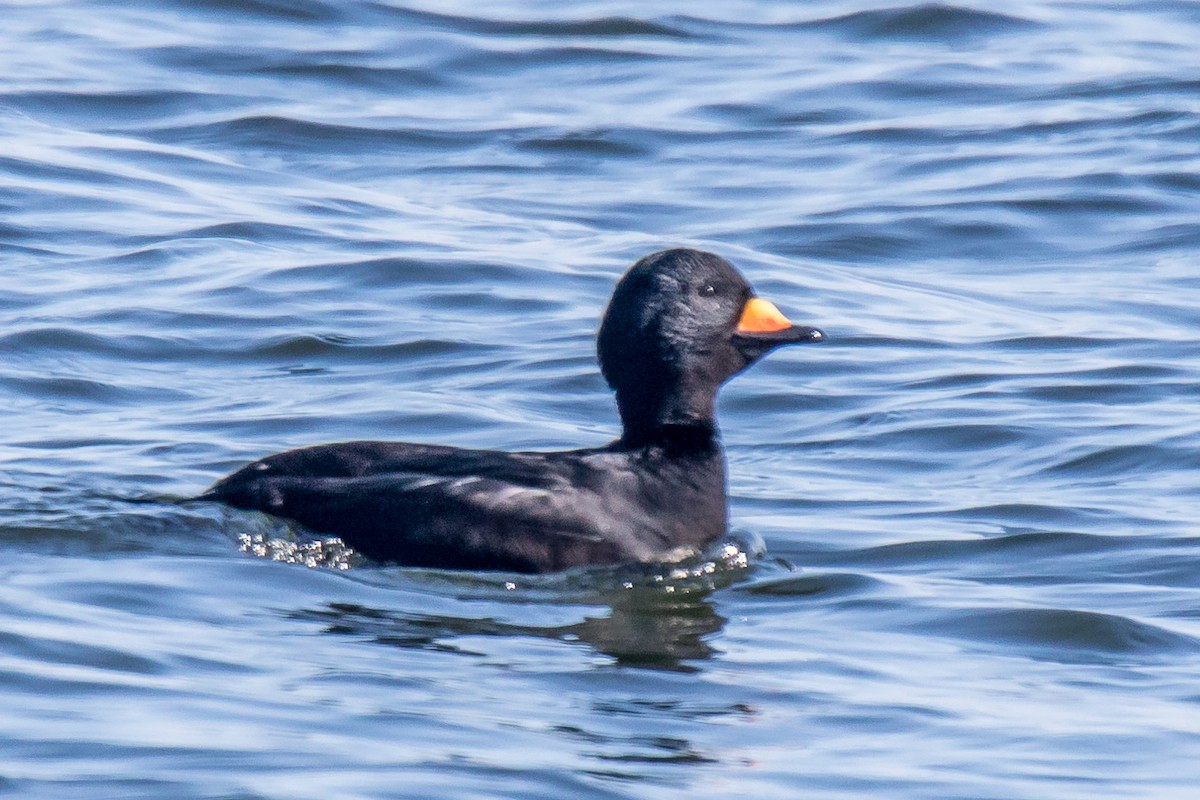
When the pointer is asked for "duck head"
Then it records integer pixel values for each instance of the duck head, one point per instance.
(680, 323)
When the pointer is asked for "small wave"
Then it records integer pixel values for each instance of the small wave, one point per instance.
(250, 231)
(1016, 548)
(395, 271)
(1156, 86)
(1021, 514)
(103, 107)
(1183, 237)
(317, 345)
(1095, 392)
(828, 584)
(278, 10)
(277, 133)
(1055, 342)
(950, 438)
(601, 143)
(335, 68)
(1083, 203)
(1128, 460)
(389, 79)
(494, 61)
(84, 390)
(746, 115)
(44, 650)
(69, 340)
(929, 21)
(1065, 635)
(838, 241)
(90, 176)
(614, 26)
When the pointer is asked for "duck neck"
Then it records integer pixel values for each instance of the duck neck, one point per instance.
(677, 440)
(654, 407)
(675, 433)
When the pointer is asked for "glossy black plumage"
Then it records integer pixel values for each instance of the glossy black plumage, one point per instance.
(679, 324)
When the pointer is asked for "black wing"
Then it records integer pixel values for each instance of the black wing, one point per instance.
(427, 505)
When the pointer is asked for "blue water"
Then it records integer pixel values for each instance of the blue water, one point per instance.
(229, 228)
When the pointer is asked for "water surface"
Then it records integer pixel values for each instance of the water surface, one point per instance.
(233, 228)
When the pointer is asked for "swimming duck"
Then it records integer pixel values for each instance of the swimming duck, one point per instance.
(680, 323)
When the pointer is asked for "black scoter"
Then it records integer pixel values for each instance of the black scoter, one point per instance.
(680, 323)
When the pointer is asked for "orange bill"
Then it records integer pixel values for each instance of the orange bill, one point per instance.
(761, 316)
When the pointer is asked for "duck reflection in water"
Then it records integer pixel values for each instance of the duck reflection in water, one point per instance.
(647, 626)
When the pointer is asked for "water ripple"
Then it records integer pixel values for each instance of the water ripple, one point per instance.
(1066, 634)
(928, 21)
(616, 26)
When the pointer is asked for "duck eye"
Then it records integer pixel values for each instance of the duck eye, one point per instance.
(706, 290)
